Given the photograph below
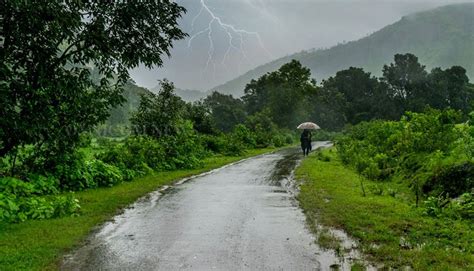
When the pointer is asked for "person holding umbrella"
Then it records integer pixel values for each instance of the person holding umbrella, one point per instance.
(305, 138)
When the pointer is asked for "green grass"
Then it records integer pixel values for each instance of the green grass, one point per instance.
(391, 230)
(39, 244)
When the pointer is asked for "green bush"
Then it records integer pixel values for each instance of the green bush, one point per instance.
(458, 208)
(452, 179)
(430, 150)
(141, 155)
(133, 155)
(464, 206)
(213, 143)
(73, 174)
(243, 134)
(263, 127)
(19, 202)
(44, 185)
(323, 135)
(17, 187)
(104, 175)
(278, 140)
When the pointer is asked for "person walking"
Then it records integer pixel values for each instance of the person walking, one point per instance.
(305, 140)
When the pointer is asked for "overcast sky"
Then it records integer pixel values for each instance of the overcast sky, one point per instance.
(247, 33)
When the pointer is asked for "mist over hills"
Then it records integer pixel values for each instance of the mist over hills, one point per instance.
(441, 37)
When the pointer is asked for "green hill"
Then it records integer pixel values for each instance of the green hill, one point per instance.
(441, 37)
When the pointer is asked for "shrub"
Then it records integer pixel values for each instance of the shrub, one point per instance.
(133, 155)
(464, 206)
(289, 139)
(214, 144)
(65, 205)
(19, 202)
(17, 187)
(104, 174)
(243, 134)
(323, 135)
(74, 174)
(452, 179)
(426, 149)
(144, 154)
(433, 206)
(278, 140)
(184, 150)
(263, 128)
(459, 208)
(44, 185)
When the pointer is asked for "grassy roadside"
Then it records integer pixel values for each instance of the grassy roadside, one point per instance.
(390, 229)
(39, 244)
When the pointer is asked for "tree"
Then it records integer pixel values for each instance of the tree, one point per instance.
(200, 115)
(284, 93)
(158, 114)
(47, 95)
(451, 88)
(360, 92)
(226, 111)
(407, 80)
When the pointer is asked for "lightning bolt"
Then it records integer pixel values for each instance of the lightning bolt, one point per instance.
(232, 33)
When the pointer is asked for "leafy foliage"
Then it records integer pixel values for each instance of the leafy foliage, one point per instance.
(283, 94)
(226, 111)
(425, 149)
(158, 114)
(49, 93)
(20, 201)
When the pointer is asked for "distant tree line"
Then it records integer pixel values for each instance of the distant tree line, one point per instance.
(289, 95)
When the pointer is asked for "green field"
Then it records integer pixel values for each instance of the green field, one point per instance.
(39, 244)
(391, 231)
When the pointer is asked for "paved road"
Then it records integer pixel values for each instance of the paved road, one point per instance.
(240, 217)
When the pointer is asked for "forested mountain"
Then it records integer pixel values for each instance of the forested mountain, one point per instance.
(441, 37)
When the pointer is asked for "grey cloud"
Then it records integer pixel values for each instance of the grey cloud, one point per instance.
(285, 27)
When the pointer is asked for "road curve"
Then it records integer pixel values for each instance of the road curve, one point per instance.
(239, 217)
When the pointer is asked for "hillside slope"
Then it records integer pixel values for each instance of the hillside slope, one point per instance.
(441, 37)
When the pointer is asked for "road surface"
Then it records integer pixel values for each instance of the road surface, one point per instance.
(240, 217)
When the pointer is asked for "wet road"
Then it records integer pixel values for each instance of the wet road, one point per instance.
(240, 217)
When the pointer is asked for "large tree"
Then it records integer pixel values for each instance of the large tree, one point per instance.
(50, 48)
(226, 111)
(284, 93)
(408, 82)
(451, 88)
(158, 114)
(360, 92)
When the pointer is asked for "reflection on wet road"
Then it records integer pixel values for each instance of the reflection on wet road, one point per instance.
(240, 217)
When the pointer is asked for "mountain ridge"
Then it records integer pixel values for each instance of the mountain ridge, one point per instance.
(423, 34)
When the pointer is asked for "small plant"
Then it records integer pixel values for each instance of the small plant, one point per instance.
(322, 157)
(392, 192)
(376, 189)
(462, 207)
(433, 206)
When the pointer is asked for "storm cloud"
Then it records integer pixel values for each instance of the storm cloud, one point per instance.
(247, 33)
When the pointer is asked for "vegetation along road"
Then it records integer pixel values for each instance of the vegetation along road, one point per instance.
(242, 216)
